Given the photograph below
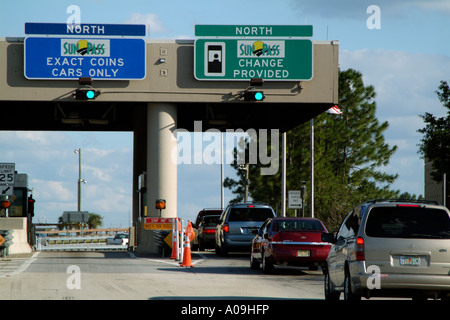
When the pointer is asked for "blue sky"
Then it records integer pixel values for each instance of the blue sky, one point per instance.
(404, 60)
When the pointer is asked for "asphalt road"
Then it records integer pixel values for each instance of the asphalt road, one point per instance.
(93, 275)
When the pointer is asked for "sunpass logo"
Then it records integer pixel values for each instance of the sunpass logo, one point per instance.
(81, 47)
(263, 49)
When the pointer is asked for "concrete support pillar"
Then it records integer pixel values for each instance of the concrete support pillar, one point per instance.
(161, 170)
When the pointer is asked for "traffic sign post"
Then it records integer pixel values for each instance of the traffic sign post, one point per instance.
(54, 58)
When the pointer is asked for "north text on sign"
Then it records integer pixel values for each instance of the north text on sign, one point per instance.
(255, 31)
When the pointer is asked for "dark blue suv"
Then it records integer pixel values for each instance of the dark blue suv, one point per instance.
(237, 223)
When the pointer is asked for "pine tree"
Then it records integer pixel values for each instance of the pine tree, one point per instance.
(350, 152)
(435, 144)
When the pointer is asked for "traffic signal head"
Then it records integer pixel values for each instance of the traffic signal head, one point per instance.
(254, 96)
(160, 204)
(86, 94)
(5, 204)
(31, 202)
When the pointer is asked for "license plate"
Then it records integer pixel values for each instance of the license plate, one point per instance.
(409, 261)
(303, 253)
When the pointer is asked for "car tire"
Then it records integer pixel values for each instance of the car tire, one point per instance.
(267, 266)
(217, 250)
(330, 293)
(349, 295)
(254, 264)
(223, 251)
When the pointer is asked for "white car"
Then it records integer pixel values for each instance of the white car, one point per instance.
(120, 238)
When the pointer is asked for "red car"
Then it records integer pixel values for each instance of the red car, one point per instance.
(289, 241)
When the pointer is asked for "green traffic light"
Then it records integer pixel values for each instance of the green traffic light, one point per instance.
(90, 94)
(259, 96)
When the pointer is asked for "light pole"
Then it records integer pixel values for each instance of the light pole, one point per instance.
(78, 151)
(246, 167)
(333, 110)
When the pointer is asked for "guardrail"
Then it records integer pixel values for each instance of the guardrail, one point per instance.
(84, 247)
(85, 231)
(76, 240)
(88, 243)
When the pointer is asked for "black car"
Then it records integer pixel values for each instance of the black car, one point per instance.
(206, 232)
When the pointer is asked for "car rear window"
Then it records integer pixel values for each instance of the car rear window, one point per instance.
(204, 213)
(298, 225)
(408, 222)
(210, 220)
(250, 214)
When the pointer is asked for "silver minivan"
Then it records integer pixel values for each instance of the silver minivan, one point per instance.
(237, 224)
(390, 248)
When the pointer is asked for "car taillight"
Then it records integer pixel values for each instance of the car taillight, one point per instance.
(276, 237)
(226, 228)
(360, 249)
(209, 230)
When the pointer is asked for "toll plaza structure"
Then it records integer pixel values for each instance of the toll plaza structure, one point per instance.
(229, 77)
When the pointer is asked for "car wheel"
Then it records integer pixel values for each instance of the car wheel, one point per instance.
(217, 250)
(330, 294)
(349, 295)
(223, 251)
(267, 266)
(254, 264)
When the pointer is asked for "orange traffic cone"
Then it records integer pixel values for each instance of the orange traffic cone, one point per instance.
(187, 262)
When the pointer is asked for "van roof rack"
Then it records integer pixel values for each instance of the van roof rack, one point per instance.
(404, 200)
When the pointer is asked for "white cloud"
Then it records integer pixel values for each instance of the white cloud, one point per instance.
(405, 84)
(49, 190)
(435, 5)
(149, 19)
(351, 9)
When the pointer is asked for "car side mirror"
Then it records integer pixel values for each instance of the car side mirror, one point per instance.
(328, 237)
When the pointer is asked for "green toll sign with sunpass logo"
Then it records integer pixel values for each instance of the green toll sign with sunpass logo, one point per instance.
(243, 59)
(244, 52)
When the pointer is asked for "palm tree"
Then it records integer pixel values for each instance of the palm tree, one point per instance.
(95, 221)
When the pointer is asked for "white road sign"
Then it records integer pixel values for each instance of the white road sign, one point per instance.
(7, 174)
(294, 199)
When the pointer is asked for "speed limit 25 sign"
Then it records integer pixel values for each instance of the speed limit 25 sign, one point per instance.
(7, 174)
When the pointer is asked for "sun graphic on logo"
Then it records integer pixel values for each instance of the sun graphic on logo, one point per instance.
(258, 48)
(82, 47)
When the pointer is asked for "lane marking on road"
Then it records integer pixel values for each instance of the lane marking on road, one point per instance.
(22, 267)
(174, 263)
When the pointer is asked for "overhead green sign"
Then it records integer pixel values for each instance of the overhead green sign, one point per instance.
(243, 59)
(253, 31)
